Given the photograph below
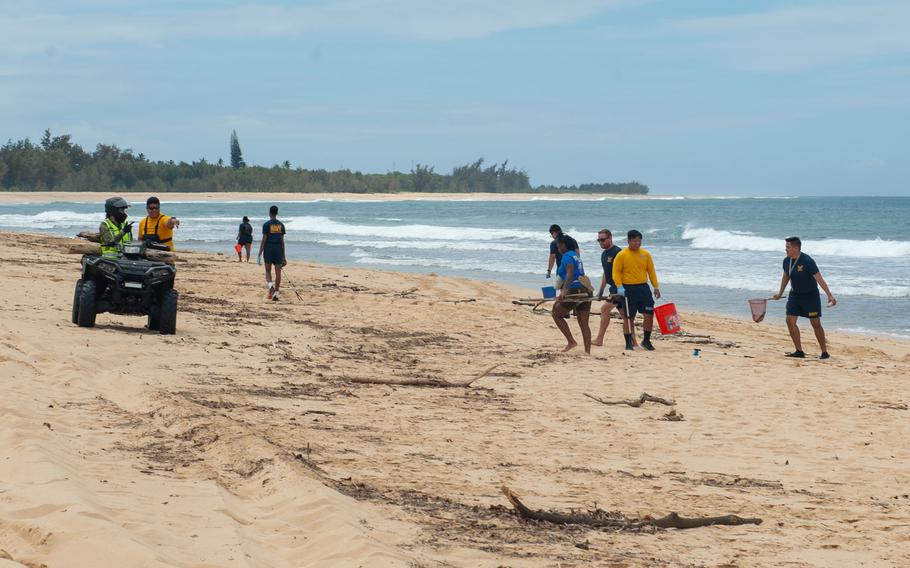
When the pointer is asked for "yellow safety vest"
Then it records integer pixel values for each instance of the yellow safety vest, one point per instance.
(116, 248)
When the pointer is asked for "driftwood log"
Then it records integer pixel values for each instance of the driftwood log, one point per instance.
(642, 398)
(95, 248)
(600, 519)
(421, 382)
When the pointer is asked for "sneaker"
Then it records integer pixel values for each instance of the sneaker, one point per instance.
(798, 354)
(824, 355)
(271, 291)
(647, 345)
(275, 296)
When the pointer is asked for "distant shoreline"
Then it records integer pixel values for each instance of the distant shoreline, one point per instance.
(11, 197)
(8, 197)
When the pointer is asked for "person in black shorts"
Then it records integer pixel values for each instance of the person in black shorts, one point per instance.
(804, 300)
(608, 253)
(244, 238)
(271, 248)
(572, 296)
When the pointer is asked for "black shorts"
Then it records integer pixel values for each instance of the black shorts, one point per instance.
(574, 305)
(804, 306)
(273, 255)
(638, 300)
(245, 239)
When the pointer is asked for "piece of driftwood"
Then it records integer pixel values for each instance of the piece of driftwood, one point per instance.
(95, 248)
(643, 398)
(421, 382)
(89, 236)
(601, 519)
(84, 248)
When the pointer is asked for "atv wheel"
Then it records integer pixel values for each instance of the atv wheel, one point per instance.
(76, 301)
(154, 318)
(167, 320)
(86, 316)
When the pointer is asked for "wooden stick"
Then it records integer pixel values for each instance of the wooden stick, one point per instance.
(643, 398)
(421, 382)
(671, 521)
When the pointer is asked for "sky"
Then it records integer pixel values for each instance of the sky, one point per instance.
(702, 97)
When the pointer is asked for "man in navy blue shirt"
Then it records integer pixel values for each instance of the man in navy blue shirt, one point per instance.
(607, 254)
(804, 300)
(272, 249)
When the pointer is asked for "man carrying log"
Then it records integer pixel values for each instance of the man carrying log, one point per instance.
(114, 230)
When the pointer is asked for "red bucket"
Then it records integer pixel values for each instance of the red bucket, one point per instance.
(238, 247)
(667, 319)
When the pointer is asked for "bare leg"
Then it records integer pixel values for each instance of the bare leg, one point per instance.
(248, 245)
(239, 258)
(277, 277)
(604, 323)
(583, 322)
(558, 311)
(648, 322)
(819, 333)
(794, 333)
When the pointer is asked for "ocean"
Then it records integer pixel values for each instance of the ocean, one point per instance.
(711, 254)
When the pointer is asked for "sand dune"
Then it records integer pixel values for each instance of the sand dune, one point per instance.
(242, 441)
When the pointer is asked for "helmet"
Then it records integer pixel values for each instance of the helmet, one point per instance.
(113, 204)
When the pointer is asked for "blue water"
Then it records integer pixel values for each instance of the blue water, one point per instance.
(712, 254)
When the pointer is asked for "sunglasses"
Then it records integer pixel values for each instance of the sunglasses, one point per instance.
(153, 208)
(601, 240)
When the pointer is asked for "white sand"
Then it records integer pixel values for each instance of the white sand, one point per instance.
(126, 448)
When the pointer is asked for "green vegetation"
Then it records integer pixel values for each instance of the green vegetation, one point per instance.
(57, 164)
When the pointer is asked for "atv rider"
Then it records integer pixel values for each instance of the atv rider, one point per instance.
(114, 230)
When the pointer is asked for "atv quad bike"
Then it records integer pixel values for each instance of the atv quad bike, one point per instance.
(129, 285)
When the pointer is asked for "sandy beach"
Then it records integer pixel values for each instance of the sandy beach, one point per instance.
(247, 439)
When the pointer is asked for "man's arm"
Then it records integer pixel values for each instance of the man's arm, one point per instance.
(172, 222)
(832, 301)
(652, 274)
(262, 243)
(603, 285)
(784, 280)
(617, 271)
(550, 264)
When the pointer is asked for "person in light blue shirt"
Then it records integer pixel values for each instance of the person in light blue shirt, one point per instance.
(573, 296)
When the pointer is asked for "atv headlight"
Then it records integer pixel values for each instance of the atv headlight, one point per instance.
(108, 267)
(160, 272)
(132, 248)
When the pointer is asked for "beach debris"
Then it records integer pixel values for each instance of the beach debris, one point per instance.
(420, 381)
(673, 416)
(617, 521)
(635, 403)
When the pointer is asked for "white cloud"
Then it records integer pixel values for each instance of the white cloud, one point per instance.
(35, 32)
(821, 34)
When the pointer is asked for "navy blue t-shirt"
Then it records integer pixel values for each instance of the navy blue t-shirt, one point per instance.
(606, 259)
(275, 230)
(555, 250)
(802, 275)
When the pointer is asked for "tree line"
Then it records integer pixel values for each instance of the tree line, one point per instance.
(56, 163)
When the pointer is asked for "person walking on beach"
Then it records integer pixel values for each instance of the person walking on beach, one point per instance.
(555, 256)
(631, 270)
(804, 300)
(114, 230)
(244, 238)
(156, 226)
(271, 248)
(608, 253)
(570, 270)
